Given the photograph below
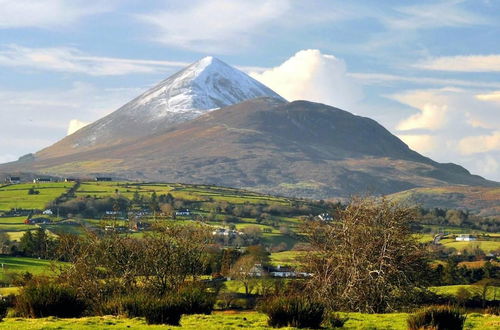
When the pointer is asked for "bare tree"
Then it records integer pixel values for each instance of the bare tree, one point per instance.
(367, 260)
(173, 253)
(245, 270)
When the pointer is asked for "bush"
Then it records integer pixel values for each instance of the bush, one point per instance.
(196, 300)
(48, 299)
(163, 311)
(130, 306)
(4, 305)
(294, 311)
(437, 317)
(334, 320)
(493, 310)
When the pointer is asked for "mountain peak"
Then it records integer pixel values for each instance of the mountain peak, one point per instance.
(203, 86)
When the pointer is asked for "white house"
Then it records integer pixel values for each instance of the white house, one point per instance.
(48, 212)
(14, 179)
(466, 238)
(183, 212)
(325, 217)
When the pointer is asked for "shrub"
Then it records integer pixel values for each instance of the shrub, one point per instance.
(156, 310)
(163, 311)
(437, 317)
(48, 299)
(4, 305)
(294, 311)
(196, 300)
(493, 310)
(130, 306)
(334, 320)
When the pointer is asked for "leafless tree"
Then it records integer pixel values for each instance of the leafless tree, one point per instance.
(244, 270)
(367, 259)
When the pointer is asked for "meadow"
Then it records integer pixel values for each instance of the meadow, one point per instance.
(34, 266)
(493, 292)
(230, 320)
(16, 196)
(486, 246)
(204, 197)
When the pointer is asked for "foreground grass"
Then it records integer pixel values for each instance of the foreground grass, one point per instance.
(229, 320)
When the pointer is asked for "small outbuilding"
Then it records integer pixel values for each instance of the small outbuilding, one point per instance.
(466, 238)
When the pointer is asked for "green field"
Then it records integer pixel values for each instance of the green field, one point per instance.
(486, 246)
(229, 320)
(23, 265)
(286, 258)
(188, 192)
(492, 292)
(16, 196)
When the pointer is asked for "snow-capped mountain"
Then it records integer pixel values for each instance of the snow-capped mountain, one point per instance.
(203, 86)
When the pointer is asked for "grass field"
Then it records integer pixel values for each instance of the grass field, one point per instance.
(492, 293)
(22, 265)
(486, 246)
(229, 320)
(16, 196)
(286, 258)
(189, 192)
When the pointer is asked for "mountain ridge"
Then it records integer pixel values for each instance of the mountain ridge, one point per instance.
(268, 145)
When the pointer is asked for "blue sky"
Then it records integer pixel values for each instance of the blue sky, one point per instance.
(429, 71)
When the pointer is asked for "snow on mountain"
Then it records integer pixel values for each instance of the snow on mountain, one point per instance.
(203, 86)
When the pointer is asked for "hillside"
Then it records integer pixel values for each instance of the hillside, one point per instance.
(297, 149)
(483, 201)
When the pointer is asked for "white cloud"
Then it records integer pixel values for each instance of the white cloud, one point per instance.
(452, 124)
(313, 76)
(422, 143)
(65, 59)
(48, 13)
(472, 63)
(430, 117)
(390, 80)
(75, 124)
(432, 15)
(480, 144)
(214, 24)
(489, 166)
(492, 96)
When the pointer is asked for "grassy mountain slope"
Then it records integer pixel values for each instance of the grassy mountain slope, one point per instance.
(298, 149)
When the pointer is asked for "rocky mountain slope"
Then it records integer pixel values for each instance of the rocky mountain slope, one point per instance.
(267, 144)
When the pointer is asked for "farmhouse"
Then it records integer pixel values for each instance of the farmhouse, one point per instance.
(466, 238)
(140, 226)
(70, 180)
(102, 178)
(48, 212)
(37, 221)
(325, 217)
(14, 179)
(286, 272)
(183, 212)
(226, 232)
(38, 180)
